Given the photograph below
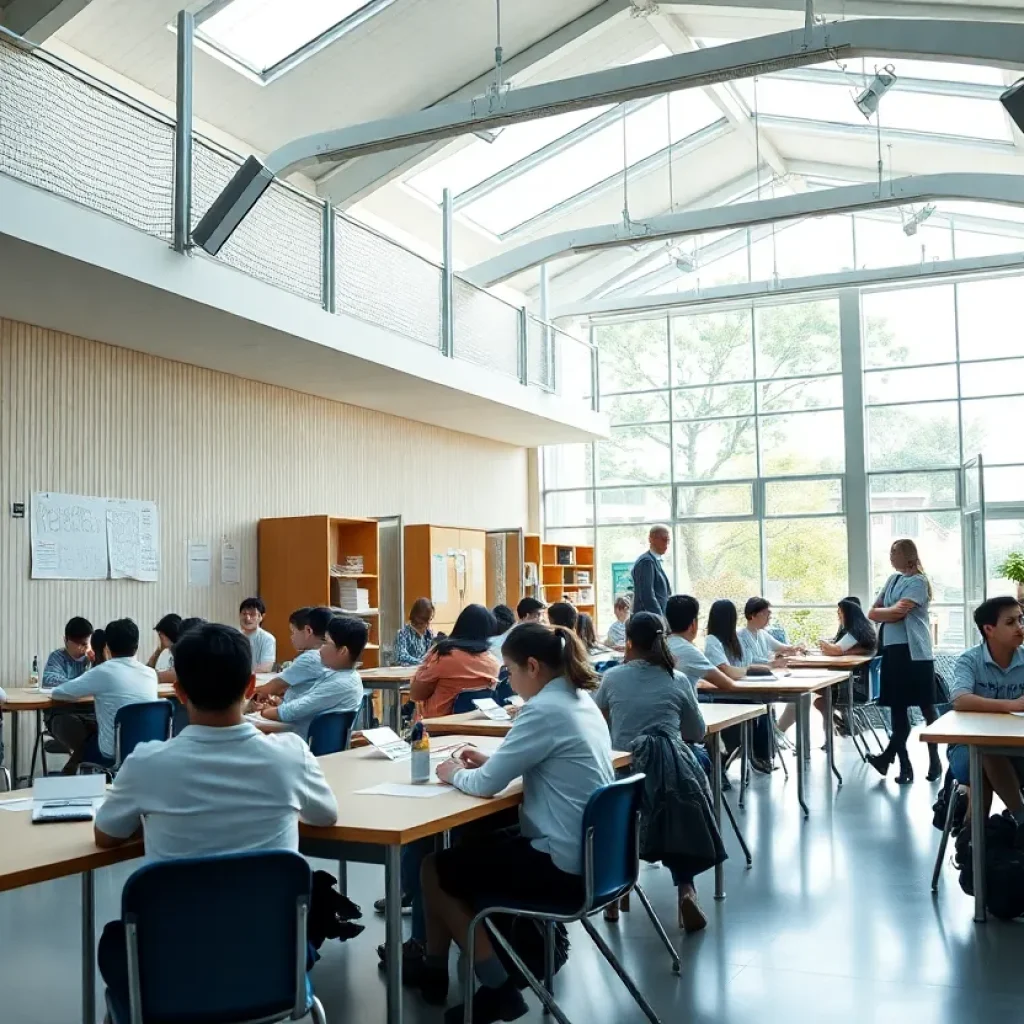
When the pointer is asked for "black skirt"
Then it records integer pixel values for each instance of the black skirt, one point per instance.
(905, 682)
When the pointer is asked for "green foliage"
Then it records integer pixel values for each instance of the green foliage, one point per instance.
(1012, 568)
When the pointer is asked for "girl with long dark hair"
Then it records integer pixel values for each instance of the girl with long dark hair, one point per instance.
(856, 635)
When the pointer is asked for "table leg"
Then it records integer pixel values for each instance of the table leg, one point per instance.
(392, 701)
(744, 754)
(716, 805)
(804, 711)
(15, 719)
(393, 930)
(88, 948)
(802, 744)
(977, 779)
(830, 744)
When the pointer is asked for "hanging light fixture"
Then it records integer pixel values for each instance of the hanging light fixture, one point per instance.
(918, 217)
(884, 80)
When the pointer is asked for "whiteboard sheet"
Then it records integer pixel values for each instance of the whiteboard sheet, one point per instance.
(69, 537)
(133, 539)
(439, 579)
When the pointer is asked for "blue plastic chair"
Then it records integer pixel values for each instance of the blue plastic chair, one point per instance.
(236, 958)
(464, 700)
(611, 867)
(180, 719)
(329, 732)
(137, 723)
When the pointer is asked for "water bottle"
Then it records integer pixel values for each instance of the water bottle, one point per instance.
(33, 678)
(419, 762)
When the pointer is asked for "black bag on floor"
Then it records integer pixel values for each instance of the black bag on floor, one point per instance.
(526, 936)
(330, 913)
(1004, 867)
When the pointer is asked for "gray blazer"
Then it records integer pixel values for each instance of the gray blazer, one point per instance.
(651, 589)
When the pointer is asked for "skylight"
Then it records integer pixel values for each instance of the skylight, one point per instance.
(262, 33)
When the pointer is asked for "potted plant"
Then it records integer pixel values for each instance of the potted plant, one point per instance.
(1013, 569)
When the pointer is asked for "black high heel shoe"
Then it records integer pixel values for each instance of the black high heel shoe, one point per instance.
(880, 762)
(906, 775)
(934, 766)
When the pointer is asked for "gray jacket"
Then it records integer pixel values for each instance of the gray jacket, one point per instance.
(651, 588)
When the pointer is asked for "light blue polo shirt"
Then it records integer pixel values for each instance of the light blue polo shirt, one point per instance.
(914, 629)
(977, 673)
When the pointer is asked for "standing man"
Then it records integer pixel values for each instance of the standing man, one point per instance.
(651, 588)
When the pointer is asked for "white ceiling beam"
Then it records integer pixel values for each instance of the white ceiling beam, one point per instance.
(992, 188)
(354, 180)
(873, 8)
(37, 20)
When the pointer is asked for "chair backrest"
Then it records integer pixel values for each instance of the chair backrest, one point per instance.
(179, 720)
(874, 678)
(140, 723)
(218, 938)
(464, 700)
(611, 840)
(329, 732)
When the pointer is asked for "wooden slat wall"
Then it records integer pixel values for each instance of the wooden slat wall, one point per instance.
(217, 453)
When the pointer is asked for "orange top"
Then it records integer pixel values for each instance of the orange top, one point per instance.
(440, 679)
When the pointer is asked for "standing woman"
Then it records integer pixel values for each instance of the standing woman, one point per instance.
(908, 669)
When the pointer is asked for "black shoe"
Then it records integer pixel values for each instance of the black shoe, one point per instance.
(726, 784)
(934, 768)
(490, 1005)
(431, 981)
(380, 906)
(880, 762)
(413, 952)
(906, 775)
(55, 747)
(759, 764)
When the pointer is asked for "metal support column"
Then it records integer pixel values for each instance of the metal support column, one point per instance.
(858, 521)
(524, 348)
(545, 315)
(447, 278)
(183, 134)
(328, 286)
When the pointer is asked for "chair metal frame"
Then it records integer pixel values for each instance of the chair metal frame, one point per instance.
(583, 915)
(958, 792)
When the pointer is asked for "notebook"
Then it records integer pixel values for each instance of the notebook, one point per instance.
(67, 798)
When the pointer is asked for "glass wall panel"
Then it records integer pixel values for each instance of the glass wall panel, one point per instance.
(805, 560)
(883, 387)
(714, 501)
(634, 455)
(989, 320)
(913, 436)
(568, 465)
(1002, 377)
(569, 508)
(718, 560)
(640, 407)
(890, 491)
(634, 505)
(992, 427)
(798, 338)
(800, 497)
(802, 442)
(937, 536)
(715, 449)
(632, 356)
(909, 327)
(712, 348)
(696, 403)
(813, 393)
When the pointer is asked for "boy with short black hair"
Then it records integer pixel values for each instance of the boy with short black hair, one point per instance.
(338, 689)
(262, 643)
(530, 609)
(68, 728)
(307, 627)
(119, 681)
(561, 613)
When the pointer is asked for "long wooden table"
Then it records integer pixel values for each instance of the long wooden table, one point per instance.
(797, 687)
(982, 734)
(370, 828)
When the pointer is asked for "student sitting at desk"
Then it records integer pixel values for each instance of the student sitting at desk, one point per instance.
(262, 643)
(644, 694)
(856, 634)
(588, 635)
(162, 659)
(119, 681)
(218, 787)
(530, 609)
(990, 677)
(460, 662)
(69, 728)
(563, 614)
(760, 645)
(307, 627)
(504, 619)
(616, 638)
(337, 689)
(560, 746)
(416, 637)
(682, 613)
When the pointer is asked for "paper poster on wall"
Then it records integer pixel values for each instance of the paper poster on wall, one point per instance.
(133, 539)
(439, 579)
(230, 563)
(622, 578)
(476, 560)
(68, 537)
(198, 563)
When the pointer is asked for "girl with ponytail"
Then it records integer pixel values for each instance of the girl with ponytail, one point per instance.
(560, 746)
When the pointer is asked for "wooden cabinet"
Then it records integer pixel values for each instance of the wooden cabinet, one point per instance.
(448, 565)
(303, 561)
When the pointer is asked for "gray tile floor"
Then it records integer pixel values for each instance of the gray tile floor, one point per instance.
(835, 922)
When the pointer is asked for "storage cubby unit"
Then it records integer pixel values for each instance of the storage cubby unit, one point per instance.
(320, 560)
(567, 574)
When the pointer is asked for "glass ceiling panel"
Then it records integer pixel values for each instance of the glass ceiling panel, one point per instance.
(262, 33)
(943, 115)
(591, 160)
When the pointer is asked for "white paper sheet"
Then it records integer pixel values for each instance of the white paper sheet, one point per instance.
(133, 540)
(439, 579)
(426, 789)
(198, 563)
(477, 570)
(230, 563)
(68, 537)
(24, 804)
(491, 709)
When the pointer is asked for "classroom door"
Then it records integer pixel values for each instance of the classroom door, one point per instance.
(391, 592)
(973, 531)
(505, 557)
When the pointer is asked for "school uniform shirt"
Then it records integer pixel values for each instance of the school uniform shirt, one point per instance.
(410, 647)
(559, 744)
(112, 685)
(759, 646)
(62, 668)
(496, 642)
(639, 697)
(617, 634)
(688, 659)
(333, 691)
(450, 674)
(303, 672)
(217, 790)
(846, 642)
(715, 652)
(164, 660)
(976, 672)
(912, 630)
(263, 646)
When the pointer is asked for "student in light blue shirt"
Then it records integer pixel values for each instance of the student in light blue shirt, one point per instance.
(560, 747)
(307, 627)
(616, 638)
(337, 689)
(262, 644)
(119, 681)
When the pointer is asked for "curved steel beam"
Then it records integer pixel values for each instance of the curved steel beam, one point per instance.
(985, 188)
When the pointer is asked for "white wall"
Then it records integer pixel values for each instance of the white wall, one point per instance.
(216, 453)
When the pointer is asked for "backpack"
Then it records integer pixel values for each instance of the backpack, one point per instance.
(1004, 867)
(526, 936)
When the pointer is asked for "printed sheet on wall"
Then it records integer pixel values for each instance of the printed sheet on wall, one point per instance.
(76, 537)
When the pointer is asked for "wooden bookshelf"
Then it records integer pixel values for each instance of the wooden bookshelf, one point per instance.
(567, 573)
(297, 560)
